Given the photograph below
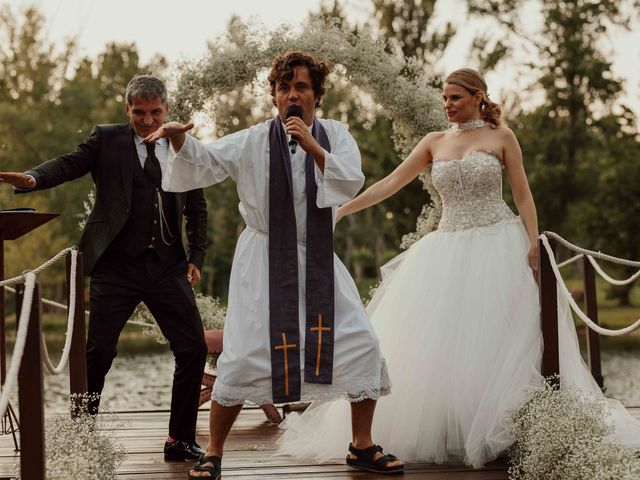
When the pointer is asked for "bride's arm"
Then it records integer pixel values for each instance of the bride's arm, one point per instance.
(410, 168)
(521, 193)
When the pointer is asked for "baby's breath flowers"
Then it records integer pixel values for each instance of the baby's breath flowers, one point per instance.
(88, 204)
(563, 433)
(77, 445)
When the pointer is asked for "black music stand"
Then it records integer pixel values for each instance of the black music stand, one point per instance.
(13, 225)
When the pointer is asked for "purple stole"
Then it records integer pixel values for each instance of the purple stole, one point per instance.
(284, 326)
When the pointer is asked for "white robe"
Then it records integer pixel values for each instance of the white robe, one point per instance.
(244, 368)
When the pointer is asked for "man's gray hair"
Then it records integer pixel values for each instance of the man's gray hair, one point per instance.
(145, 87)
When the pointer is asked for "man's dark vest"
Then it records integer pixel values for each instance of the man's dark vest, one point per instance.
(143, 226)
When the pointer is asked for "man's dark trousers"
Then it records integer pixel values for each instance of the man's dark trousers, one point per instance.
(118, 283)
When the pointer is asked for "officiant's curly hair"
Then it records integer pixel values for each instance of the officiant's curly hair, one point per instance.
(282, 69)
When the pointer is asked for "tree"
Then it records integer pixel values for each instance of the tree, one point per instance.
(611, 219)
(578, 87)
(579, 144)
(49, 101)
(31, 75)
(407, 25)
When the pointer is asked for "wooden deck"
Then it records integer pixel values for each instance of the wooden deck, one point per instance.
(248, 455)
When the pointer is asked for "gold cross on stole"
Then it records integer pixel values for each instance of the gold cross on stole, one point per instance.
(319, 329)
(284, 347)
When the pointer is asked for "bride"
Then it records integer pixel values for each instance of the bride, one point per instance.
(457, 315)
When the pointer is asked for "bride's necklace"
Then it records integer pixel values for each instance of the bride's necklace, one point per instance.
(470, 125)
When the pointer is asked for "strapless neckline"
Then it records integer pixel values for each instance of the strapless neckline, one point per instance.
(486, 153)
(471, 191)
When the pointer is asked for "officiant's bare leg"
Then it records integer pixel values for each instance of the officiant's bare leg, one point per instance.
(361, 421)
(220, 422)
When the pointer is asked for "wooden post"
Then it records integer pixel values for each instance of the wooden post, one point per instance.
(77, 355)
(548, 311)
(13, 225)
(591, 305)
(31, 393)
(3, 338)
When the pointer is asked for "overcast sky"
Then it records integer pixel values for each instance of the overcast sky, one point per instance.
(180, 29)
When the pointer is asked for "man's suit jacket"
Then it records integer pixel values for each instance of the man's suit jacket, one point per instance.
(109, 154)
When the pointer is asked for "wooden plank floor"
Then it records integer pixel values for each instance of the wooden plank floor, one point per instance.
(248, 455)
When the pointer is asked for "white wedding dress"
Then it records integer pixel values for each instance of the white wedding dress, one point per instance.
(458, 319)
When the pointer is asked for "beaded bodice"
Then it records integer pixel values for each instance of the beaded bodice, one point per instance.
(471, 191)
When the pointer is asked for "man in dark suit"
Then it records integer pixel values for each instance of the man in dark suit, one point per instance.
(133, 251)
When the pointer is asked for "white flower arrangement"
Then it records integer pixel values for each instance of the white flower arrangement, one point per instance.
(563, 433)
(78, 447)
(398, 85)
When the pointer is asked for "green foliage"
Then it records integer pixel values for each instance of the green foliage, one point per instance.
(580, 145)
(611, 217)
(407, 25)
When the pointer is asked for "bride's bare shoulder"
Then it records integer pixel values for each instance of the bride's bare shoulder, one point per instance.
(432, 138)
(503, 130)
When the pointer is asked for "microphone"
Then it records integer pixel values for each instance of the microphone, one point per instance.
(293, 111)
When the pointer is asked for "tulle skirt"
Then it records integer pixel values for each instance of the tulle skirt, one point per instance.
(458, 320)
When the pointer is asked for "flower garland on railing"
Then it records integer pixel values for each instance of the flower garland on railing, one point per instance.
(401, 88)
(563, 433)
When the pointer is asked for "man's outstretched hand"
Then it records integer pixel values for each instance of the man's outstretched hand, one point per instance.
(174, 131)
(18, 180)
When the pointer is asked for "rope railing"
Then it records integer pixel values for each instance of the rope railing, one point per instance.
(46, 301)
(18, 349)
(55, 304)
(25, 313)
(570, 260)
(62, 306)
(584, 251)
(70, 316)
(55, 370)
(591, 256)
(610, 279)
(565, 291)
(35, 271)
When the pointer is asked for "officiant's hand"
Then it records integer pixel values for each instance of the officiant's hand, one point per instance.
(21, 181)
(174, 131)
(296, 127)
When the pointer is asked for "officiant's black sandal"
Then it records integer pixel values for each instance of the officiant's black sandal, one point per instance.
(214, 471)
(365, 460)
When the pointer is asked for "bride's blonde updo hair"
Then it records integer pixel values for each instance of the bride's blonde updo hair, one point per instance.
(473, 82)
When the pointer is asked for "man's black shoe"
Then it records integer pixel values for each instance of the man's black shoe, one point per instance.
(179, 451)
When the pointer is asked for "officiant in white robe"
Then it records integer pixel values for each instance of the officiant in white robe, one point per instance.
(296, 329)
(244, 368)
